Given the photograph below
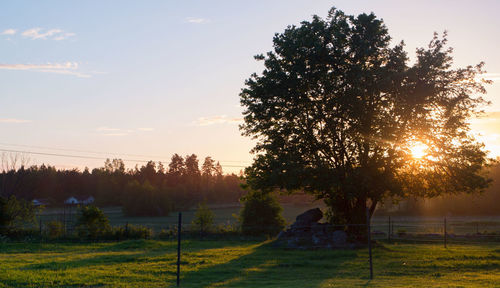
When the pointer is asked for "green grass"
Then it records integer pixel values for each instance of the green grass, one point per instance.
(224, 214)
(245, 264)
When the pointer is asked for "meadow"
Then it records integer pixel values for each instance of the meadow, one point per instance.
(228, 215)
(223, 214)
(151, 263)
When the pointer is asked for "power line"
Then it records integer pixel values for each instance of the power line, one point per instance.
(77, 150)
(166, 158)
(89, 157)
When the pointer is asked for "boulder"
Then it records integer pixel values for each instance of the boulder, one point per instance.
(309, 217)
(307, 233)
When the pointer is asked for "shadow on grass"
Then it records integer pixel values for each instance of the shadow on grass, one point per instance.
(34, 247)
(89, 261)
(140, 244)
(267, 266)
(138, 251)
(15, 283)
(171, 246)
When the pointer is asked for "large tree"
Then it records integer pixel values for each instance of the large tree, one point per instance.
(338, 111)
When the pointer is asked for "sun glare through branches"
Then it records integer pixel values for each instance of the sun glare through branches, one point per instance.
(418, 150)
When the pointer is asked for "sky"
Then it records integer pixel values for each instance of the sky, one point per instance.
(141, 80)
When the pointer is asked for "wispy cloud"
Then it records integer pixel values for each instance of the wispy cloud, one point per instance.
(67, 68)
(8, 32)
(218, 119)
(40, 33)
(115, 134)
(110, 131)
(107, 129)
(489, 76)
(197, 20)
(488, 117)
(63, 36)
(13, 120)
(67, 65)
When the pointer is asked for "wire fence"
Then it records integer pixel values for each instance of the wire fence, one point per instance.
(62, 224)
(311, 235)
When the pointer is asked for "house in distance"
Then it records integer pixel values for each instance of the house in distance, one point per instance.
(83, 200)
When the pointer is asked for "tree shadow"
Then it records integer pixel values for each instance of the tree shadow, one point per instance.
(140, 251)
(273, 267)
(171, 246)
(89, 261)
(139, 245)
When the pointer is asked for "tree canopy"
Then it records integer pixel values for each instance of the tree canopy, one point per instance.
(338, 111)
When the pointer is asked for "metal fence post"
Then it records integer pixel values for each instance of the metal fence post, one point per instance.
(392, 229)
(179, 227)
(369, 240)
(64, 220)
(445, 240)
(389, 230)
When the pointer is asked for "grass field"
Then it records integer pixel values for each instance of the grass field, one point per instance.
(149, 263)
(225, 214)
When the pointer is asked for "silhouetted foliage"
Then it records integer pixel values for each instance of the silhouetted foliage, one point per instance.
(54, 229)
(131, 232)
(149, 190)
(336, 111)
(203, 218)
(15, 214)
(92, 223)
(145, 200)
(261, 214)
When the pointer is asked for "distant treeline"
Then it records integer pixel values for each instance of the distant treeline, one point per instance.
(151, 189)
(487, 203)
(155, 190)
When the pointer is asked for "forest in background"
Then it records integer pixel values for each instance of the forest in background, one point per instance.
(149, 190)
(154, 189)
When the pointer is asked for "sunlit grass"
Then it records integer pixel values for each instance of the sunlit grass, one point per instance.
(245, 264)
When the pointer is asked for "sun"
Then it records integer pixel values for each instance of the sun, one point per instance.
(418, 150)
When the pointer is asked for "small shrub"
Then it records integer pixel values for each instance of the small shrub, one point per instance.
(203, 219)
(92, 223)
(54, 229)
(116, 233)
(22, 234)
(227, 228)
(138, 232)
(128, 232)
(261, 214)
(15, 214)
(167, 234)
